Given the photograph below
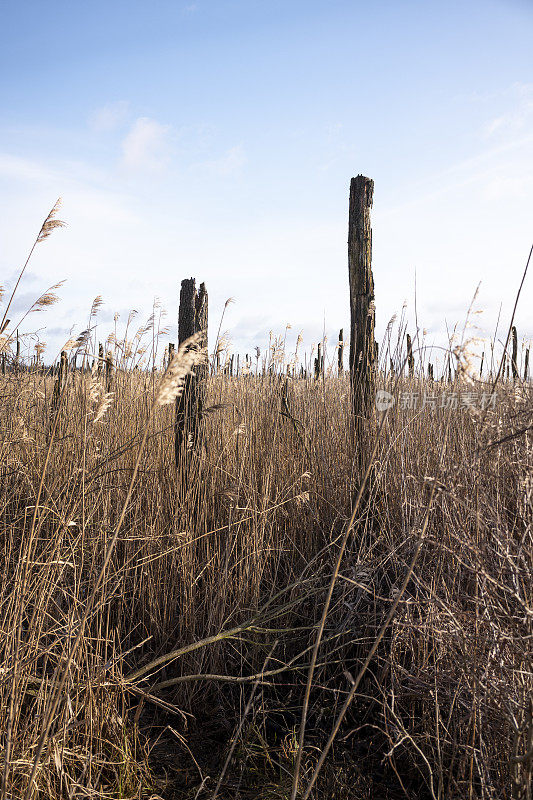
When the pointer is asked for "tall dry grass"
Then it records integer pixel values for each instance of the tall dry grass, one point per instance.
(232, 554)
(160, 625)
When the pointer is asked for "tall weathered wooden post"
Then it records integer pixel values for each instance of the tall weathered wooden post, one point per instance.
(362, 306)
(109, 372)
(192, 319)
(340, 354)
(514, 358)
(59, 388)
(171, 347)
(410, 357)
(100, 359)
(319, 362)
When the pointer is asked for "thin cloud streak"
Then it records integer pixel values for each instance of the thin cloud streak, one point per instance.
(146, 146)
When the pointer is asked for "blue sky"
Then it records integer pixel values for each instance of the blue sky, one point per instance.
(217, 139)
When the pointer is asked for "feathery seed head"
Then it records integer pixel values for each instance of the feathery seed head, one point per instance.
(466, 360)
(189, 354)
(223, 344)
(97, 302)
(69, 344)
(391, 322)
(51, 223)
(82, 339)
(46, 299)
(103, 406)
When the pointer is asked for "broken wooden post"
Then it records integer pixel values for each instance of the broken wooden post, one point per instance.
(59, 388)
(171, 347)
(100, 359)
(341, 353)
(447, 369)
(109, 372)
(526, 365)
(192, 319)
(319, 362)
(362, 306)
(514, 361)
(410, 358)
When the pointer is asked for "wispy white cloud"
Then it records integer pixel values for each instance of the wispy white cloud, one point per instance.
(503, 186)
(232, 161)
(15, 167)
(146, 145)
(333, 129)
(519, 113)
(110, 116)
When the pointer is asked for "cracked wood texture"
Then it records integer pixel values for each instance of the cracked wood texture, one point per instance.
(362, 308)
(193, 317)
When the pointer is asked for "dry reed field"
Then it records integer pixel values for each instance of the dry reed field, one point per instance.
(180, 631)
